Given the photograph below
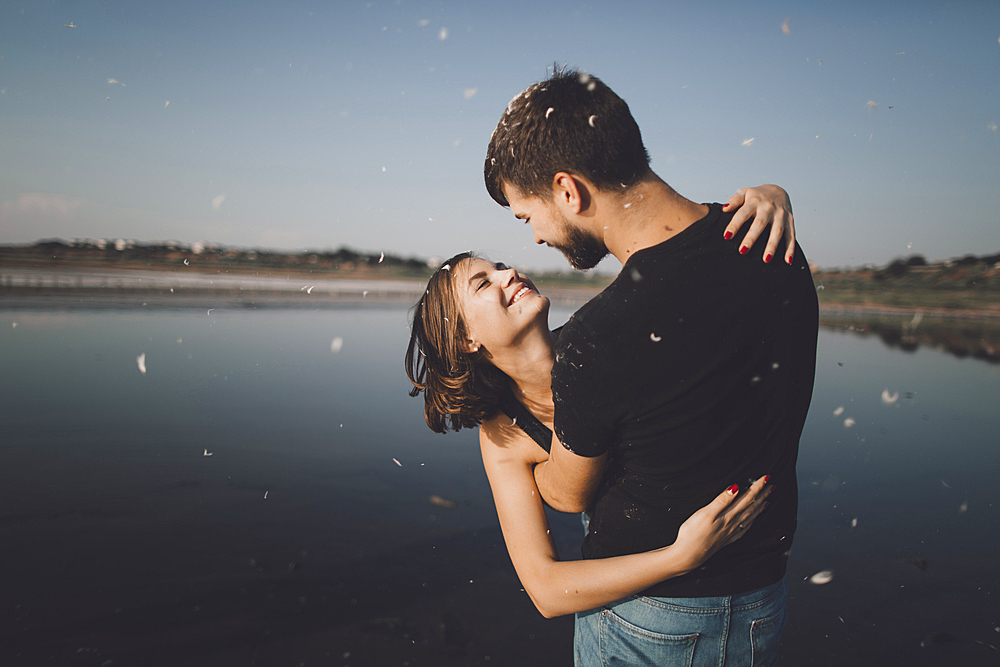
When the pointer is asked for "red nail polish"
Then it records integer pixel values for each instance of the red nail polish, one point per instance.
(767, 258)
(733, 489)
(727, 235)
(743, 250)
(767, 478)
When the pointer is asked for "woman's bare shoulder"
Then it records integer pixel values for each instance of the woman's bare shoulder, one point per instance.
(500, 439)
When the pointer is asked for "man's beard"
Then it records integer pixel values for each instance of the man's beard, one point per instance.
(582, 250)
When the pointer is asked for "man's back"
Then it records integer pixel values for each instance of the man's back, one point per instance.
(694, 369)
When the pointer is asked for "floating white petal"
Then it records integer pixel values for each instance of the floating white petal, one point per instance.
(140, 361)
(888, 398)
(336, 344)
(820, 578)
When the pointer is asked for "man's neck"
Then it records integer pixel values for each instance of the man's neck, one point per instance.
(647, 214)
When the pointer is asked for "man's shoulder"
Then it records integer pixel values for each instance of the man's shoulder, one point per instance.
(592, 319)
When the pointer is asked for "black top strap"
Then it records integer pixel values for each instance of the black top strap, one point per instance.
(526, 421)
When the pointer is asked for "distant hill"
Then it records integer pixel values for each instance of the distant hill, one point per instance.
(215, 258)
(970, 283)
(966, 284)
(204, 257)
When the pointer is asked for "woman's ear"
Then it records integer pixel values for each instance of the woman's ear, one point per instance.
(471, 347)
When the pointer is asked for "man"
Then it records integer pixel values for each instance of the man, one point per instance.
(692, 369)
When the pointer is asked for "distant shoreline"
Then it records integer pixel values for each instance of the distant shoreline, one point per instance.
(126, 284)
(39, 287)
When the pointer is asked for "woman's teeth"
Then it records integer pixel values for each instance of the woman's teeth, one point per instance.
(521, 292)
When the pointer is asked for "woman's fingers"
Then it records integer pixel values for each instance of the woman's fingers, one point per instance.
(790, 251)
(752, 494)
(736, 202)
(724, 499)
(751, 503)
(767, 206)
(736, 199)
(740, 516)
(777, 230)
(764, 215)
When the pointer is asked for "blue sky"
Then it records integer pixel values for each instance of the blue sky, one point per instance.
(313, 125)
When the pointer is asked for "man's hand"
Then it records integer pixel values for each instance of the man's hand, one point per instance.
(568, 482)
(767, 205)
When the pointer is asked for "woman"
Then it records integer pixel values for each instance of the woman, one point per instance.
(481, 352)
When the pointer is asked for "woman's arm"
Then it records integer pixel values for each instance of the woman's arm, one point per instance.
(767, 205)
(564, 587)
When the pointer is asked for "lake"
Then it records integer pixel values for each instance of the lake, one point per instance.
(255, 487)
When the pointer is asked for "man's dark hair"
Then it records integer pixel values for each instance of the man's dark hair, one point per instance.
(570, 122)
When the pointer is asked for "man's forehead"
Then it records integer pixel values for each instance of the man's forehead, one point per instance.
(513, 194)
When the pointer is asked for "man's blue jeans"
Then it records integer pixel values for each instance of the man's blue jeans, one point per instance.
(735, 631)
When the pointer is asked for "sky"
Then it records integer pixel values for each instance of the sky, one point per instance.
(315, 125)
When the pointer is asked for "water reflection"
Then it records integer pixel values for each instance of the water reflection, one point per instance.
(975, 338)
(329, 520)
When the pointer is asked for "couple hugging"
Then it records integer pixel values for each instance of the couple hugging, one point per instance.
(668, 409)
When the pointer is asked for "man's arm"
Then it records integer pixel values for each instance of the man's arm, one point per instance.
(568, 482)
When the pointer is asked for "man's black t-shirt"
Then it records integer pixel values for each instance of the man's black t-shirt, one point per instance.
(694, 371)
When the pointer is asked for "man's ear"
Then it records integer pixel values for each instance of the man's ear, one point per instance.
(570, 191)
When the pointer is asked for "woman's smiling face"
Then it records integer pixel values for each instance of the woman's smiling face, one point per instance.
(496, 303)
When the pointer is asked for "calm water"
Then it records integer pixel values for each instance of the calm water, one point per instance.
(263, 494)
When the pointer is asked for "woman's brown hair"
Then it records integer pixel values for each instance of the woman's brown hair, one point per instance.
(461, 389)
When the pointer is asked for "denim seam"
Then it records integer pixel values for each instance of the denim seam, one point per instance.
(612, 617)
(653, 602)
(726, 605)
(760, 603)
(727, 619)
(765, 622)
